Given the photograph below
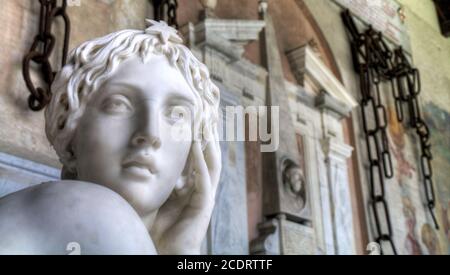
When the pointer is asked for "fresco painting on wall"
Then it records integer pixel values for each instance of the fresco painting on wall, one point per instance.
(420, 237)
(439, 122)
(405, 177)
(430, 239)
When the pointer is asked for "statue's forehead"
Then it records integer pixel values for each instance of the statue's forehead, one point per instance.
(156, 75)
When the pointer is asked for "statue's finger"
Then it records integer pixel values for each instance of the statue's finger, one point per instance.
(213, 161)
(201, 168)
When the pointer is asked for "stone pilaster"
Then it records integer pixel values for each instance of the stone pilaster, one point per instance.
(286, 211)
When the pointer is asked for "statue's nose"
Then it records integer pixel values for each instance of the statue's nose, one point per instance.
(152, 141)
(147, 132)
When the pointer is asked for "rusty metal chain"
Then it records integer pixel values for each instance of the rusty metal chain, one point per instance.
(166, 10)
(41, 50)
(376, 63)
(371, 60)
(408, 91)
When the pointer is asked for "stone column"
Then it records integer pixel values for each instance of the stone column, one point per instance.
(336, 194)
(336, 155)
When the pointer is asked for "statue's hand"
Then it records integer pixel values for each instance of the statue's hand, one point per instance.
(182, 223)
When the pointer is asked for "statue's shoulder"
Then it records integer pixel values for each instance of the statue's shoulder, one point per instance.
(67, 191)
(54, 197)
(44, 219)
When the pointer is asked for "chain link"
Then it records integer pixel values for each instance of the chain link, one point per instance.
(376, 63)
(371, 57)
(405, 73)
(410, 92)
(166, 10)
(41, 50)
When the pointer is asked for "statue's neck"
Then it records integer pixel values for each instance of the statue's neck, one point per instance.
(149, 219)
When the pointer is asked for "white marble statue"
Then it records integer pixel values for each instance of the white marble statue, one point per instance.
(133, 120)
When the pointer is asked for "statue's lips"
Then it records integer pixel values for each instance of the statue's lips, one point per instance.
(141, 165)
(138, 172)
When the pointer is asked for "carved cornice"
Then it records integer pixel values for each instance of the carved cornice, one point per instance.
(305, 64)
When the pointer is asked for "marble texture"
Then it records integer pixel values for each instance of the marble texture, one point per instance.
(228, 232)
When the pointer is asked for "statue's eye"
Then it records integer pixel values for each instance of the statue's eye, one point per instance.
(117, 104)
(178, 114)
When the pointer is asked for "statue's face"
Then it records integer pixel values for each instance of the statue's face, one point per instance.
(127, 138)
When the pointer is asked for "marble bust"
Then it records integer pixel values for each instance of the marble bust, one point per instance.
(294, 182)
(133, 120)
